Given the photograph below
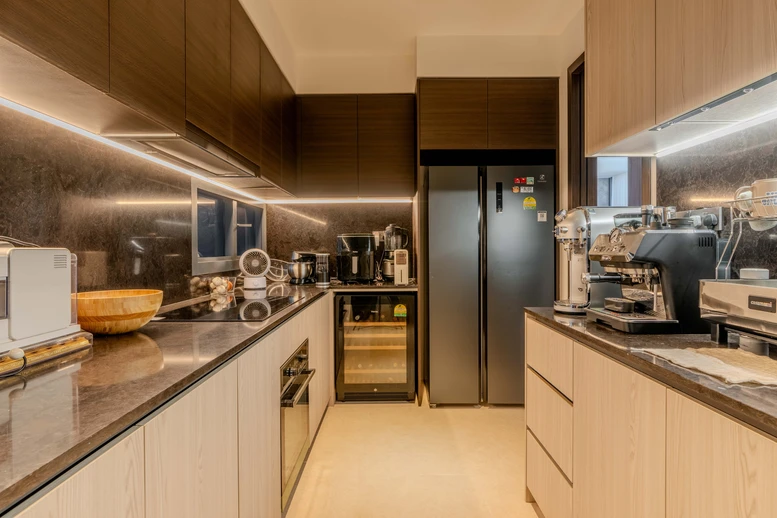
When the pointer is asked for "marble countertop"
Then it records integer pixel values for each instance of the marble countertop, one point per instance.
(52, 419)
(753, 404)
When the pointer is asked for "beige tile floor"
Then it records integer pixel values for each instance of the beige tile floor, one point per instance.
(405, 461)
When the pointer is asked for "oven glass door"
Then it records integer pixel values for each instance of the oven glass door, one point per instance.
(295, 424)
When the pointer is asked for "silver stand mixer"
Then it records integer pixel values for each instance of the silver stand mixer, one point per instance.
(575, 230)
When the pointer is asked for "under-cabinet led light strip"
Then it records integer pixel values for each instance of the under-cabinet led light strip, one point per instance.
(75, 129)
(306, 201)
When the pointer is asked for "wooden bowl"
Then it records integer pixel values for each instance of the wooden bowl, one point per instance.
(117, 311)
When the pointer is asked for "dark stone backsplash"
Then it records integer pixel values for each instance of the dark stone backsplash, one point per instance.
(702, 175)
(61, 189)
(315, 227)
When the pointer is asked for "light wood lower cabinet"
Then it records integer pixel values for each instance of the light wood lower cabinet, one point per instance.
(550, 354)
(109, 486)
(259, 378)
(215, 451)
(550, 489)
(549, 417)
(620, 440)
(716, 467)
(191, 452)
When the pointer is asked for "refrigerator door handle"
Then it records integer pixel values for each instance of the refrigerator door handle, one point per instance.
(498, 197)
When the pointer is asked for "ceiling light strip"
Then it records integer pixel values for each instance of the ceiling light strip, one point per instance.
(314, 201)
(98, 138)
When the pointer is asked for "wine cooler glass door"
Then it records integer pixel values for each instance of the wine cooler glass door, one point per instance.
(376, 347)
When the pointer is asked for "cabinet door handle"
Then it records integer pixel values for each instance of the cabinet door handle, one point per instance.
(294, 400)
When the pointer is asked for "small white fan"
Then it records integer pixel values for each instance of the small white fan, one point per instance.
(255, 263)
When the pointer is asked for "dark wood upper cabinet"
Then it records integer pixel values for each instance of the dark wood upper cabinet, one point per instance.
(289, 147)
(453, 113)
(148, 58)
(246, 86)
(272, 116)
(523, 113)
(208, 93)
(387, 158)
(72, 34)
(328, 145)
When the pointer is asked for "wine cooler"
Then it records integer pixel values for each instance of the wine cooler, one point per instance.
(375, 350)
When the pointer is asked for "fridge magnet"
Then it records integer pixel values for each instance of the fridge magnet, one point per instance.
(400, 311)
(516, 189)
(527, 189)
(520, 180)
(529, 203)
(542, 216)
(542, 179)
(530, 180)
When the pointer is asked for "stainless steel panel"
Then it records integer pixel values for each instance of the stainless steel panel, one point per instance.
(454, 331)
(520, 272)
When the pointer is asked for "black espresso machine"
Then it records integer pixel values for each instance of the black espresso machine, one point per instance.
(356, 258)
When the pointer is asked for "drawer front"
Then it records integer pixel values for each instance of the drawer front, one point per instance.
(550, 354)
(549, 416)
(547, 485)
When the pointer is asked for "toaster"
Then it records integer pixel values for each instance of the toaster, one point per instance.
(37, 296)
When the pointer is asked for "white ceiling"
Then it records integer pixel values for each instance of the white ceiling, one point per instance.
(390, 27)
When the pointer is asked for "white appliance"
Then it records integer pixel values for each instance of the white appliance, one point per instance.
(401, 267)
(37, 301)
(255, 264)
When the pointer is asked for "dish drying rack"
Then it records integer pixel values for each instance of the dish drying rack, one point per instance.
(739, 215)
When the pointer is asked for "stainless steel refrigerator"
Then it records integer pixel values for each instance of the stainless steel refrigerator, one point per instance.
(491, 253)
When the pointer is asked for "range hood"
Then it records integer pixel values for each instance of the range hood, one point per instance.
(744, 108)
(194, 151)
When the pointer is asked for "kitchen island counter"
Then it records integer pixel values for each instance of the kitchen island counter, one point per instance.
(753, 404)
(56, 418)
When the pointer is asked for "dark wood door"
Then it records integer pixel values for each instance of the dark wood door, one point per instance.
(328, 145)
(387, 145)
(208, 94)
(72, 34)
(523, 113)
(148, 59)
(289, 148)
(246, 86)
(453, 113)
(272, 117)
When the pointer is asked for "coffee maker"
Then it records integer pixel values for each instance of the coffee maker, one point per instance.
(658, 267)
(356, 258)
(395, 238)
(576, 230)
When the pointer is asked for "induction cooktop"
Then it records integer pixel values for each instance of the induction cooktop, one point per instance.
(235, 309)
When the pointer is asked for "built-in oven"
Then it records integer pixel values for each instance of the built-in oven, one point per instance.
(295, 418)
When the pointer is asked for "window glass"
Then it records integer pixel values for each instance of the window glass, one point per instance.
(249, 222)
(612, 181)
(211, 225)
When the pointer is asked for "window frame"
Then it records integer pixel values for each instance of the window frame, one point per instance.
(209, 265)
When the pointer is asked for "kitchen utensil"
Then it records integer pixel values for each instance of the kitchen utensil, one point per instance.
(356, 258)
(754, 273)
(300, 270)
(304, 274)
(322, 270)
(765, 189)
(401, 267)
(396, 237)
(255, 263)
(117, 311)
(36, 295)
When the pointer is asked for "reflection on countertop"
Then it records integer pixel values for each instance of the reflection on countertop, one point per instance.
(52, 420)
(753, 404)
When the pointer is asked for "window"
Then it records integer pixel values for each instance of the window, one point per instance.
(223, 228)
(212, 225)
